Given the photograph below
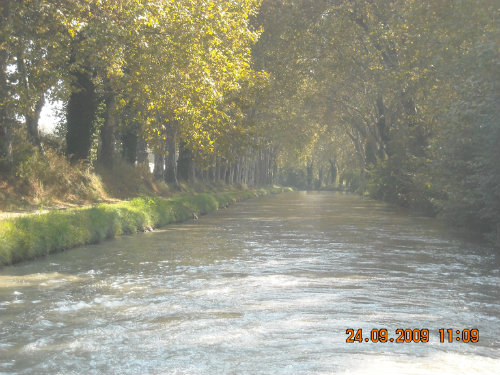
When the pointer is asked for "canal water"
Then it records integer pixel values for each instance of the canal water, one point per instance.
(268, 286)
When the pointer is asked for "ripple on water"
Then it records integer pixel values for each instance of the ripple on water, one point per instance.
(266, 288)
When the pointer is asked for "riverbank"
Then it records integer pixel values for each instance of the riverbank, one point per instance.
(32, 236)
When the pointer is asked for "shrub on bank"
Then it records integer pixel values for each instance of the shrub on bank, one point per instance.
(33, 236)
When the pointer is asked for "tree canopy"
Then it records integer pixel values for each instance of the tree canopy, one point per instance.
(399, 99)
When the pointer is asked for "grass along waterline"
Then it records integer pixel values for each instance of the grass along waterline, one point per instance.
(32, 236)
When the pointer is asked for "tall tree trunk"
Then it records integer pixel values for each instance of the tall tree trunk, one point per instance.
(142, 151)
(273, 165)
(243, 170)
(360, 151)
(217, 169)
(212, 174)
(81, 112)
(33, 106)
(235, 179)
(257, 169)
(320, 178)
(159, 167)
(185, 170)
(230, 175)
(171, 161)
(310, 168)
(223, 171)
(333, 171)
(192, 172)
(251, 172)
(198, 175)
(6, 147)
(5, 97)
(130, 144)
(32, 120)
(382, 128)
(106, 152)
(268, 164)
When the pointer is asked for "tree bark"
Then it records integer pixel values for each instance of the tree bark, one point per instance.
(105, 157)
(333, 171)
(230, 174)
(5, 95)
(159, 167)
(142, 151)
(212, 171)
(130, 144)
(32, 120)
(320, 178)
(310, 168)
(171, 160)
(235, 178)
(81, 112)
(33, 106)
(185, 170)
(217, 170)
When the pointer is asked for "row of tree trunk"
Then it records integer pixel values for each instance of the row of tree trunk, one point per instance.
(173, 161)
(177, 164)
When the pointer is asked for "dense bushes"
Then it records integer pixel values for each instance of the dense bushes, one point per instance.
(33, 236)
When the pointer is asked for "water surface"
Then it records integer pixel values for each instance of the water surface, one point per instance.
(268, 286)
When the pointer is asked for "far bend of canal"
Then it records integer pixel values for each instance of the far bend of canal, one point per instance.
(268, 286)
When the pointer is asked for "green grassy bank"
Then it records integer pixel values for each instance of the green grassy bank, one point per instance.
(33, 236)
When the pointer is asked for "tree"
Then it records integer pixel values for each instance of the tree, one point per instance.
(189, 73)
(31, 56)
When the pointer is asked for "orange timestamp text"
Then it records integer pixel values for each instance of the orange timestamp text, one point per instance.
(409, 335)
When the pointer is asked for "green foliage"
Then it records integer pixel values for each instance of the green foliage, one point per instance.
(466, 149)
(401, 97)
(397, 98)
(170, 68)
(395, 180)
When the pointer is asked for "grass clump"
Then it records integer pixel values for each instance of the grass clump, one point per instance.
(50, 178)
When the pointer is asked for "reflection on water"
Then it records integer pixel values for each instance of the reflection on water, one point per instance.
(266, 287)
(41, 279)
